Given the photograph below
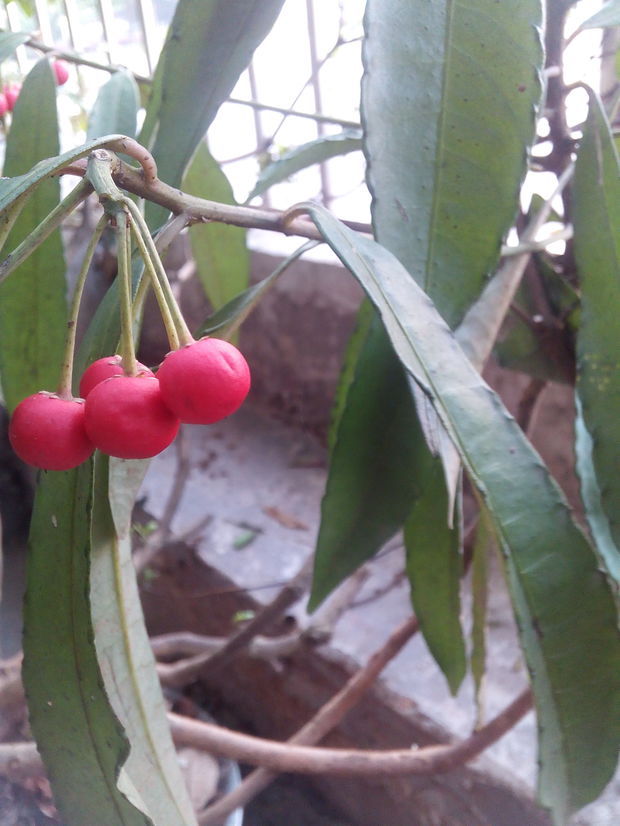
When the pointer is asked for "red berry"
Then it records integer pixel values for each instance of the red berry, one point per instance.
(48, 432)
(103, 369)
(11, 93)
(204, 381)
(4, 106)
(126, 417)
(61, 70)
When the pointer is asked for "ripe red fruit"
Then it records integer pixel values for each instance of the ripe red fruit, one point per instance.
(11, 93)
(48, 432)
(61, 70)
(126, 417)
(204, 381)
(4, 106)
(103, 369)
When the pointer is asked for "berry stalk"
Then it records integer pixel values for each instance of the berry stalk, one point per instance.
(169, 324)
(183, 332)
(66, 372)
(127, 348)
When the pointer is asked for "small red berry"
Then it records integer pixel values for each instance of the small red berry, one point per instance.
(4, 106)
(61, 70)
(11, 93)
(126, 417)
(48, 432)
(204, 381)
(103, 369)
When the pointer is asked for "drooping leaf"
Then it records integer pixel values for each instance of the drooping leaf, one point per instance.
(220, 251)
(564, 607)
(596, 195)
(116, 108)
(123, 649)
(432, 71)
(226, 321)
(479, 594)
(77, 733)
(32, 301)
(608, 16)
(358, 486)
(308, 154)
(209, 44)
(608, 551)
(9, 41)
(434, 573)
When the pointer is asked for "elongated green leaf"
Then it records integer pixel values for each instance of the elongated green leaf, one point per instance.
(608, 551)
(9, 41)
(434, 573)
(33, 308)
(564, 607)
(609, 15)
(209, 44)
(220, 251)
(308, 154)
(349, 532)
(123, 649)
(597, 252)
(77, 733)
(226, 321)
(12, 188)
(116, 108)
(446, 143)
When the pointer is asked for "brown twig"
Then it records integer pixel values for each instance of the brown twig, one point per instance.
(327, 718)
(285, 757)
(209, 662)
(199, 210)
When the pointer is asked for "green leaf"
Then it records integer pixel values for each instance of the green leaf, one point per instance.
(596, 196)
(608, 551)
(33, 309)
(434, 568)
(9, 41)
(564, 607)
(308, 154)
(116, 107)
(226, 321)
(123, 650)
(12, 188)
(448, 101)
(209, 44)
(479, 593)
(358, 486)
(77, 733)
(608, 16)
(220, 252)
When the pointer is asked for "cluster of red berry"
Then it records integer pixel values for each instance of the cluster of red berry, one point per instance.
(10, 92)
(132, 417)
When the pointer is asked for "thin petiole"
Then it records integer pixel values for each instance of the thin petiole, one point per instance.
(127, 349)
(183, 332)
(171, 330)
(66, 373)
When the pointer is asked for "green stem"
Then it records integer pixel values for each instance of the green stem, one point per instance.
(171, 330)
(127, 349)
(66, 373)
(185, 337)
(45, 228)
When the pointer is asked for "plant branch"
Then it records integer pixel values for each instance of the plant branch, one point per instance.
(285, 757)
(326, 719)
(210, 662)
